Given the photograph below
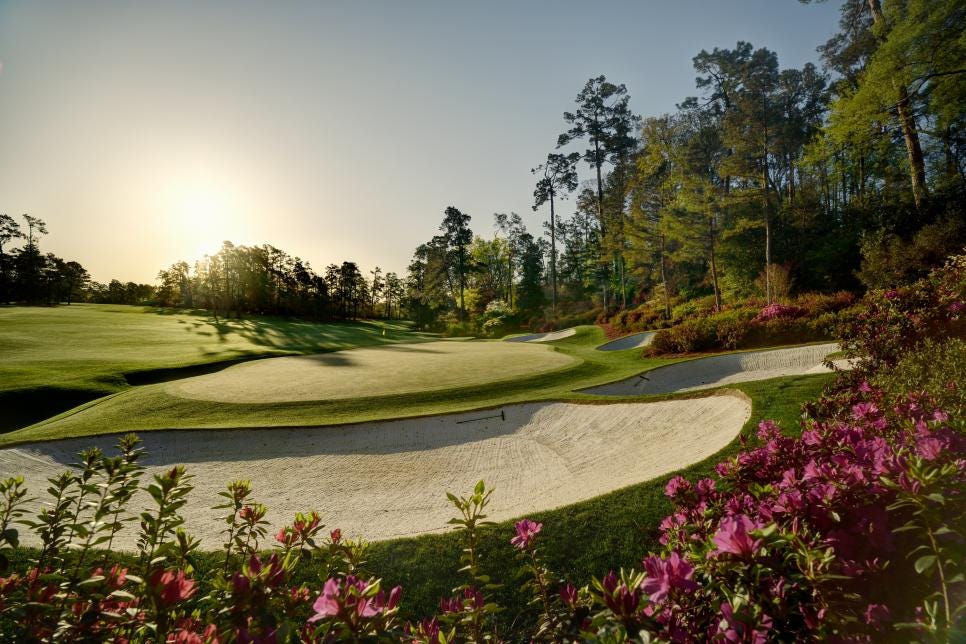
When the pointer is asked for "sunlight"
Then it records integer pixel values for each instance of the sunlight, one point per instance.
(202, 218)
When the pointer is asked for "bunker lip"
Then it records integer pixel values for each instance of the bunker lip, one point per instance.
(632, 341)
(549, 336)
(715, 371)
(387, 479)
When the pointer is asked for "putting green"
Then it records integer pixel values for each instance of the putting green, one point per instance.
(379, 371)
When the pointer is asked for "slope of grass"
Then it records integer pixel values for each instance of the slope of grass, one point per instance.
(55, 358)
(152, 407)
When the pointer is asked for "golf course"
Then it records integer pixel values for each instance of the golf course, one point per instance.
(377, 417)
(473, 323)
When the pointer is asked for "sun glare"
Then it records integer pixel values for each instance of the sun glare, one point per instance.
(203, 219)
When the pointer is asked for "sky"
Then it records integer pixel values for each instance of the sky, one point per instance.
(144, 133)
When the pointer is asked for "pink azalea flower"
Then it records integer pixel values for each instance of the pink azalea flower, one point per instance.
(732, 536)
(173, 586)
(327, 605)
(568, 594)
(526, 531)
(665, 574)
(676, 486)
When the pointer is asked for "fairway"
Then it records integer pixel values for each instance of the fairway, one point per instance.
(381, 371)
(96, 346)
(387, 479)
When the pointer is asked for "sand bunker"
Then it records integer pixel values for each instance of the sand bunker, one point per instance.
(543, 337)
(388, 479)
(633, 341)
(715, 371)
(377, 371)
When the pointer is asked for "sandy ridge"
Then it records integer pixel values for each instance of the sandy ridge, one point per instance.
(550, 336)
(632, 341)
(715, 371)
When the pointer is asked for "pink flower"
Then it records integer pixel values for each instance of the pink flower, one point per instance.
(568, 594)
(526, 531)
(172, 586)
(327, 605)
(336, 535)
(665, 574)
(929, 448)
(676, 486)
(732, 536)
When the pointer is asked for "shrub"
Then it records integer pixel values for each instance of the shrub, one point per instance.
(938, 370)
(730, 328)
(776, 311)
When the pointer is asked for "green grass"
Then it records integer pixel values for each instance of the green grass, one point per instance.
(152, 407)
(55, 358)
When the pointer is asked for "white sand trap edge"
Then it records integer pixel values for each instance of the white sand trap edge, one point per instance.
(550, 336)
(714, 371)
(389, 479)
(633, 341)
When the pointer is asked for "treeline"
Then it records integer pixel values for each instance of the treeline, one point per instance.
(29, 276)
(265, 280)
(767, 180)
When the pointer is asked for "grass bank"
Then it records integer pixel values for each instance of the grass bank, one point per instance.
(56, 358)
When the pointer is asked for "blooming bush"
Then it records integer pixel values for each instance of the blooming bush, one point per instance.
(776, 310)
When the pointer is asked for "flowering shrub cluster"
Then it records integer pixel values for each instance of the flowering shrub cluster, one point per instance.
(776, 310)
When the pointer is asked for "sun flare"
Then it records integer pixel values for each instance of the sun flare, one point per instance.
(203, 218)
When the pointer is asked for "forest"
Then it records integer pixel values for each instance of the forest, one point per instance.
(768, 182)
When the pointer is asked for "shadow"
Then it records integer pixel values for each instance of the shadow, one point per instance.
(151, 376)
(26, 407)
(296, 335)
(173, 447)
(334, 359)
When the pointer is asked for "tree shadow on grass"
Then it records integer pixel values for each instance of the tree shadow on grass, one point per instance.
(299, 335)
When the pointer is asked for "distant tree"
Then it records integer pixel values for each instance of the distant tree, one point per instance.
(557, 177)
(530, 297)
(75, 279)
(457, 237)
(512, 228)
(9, 230)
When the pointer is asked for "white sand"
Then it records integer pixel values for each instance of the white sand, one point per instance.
(376, 371)
(714, 371)
(633, 341)
(550, 336)
(388, 479)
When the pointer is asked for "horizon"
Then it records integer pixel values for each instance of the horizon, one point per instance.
(138, 156)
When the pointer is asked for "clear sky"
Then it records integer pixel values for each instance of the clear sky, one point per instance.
(147, 132)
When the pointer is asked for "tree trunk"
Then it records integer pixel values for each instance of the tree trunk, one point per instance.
(907, 122)
(714, 265)
(765, 182)
(553, 258)
(667, 295)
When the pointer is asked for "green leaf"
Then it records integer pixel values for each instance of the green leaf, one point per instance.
(924, 564)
